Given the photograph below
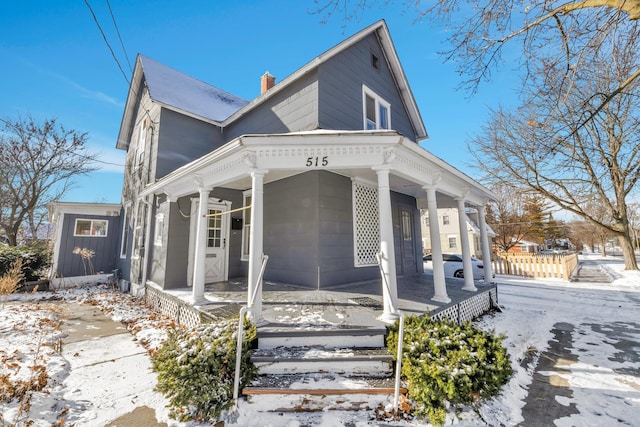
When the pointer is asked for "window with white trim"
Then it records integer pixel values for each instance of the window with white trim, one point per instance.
(91, 227)
(453, 242)
(246, 225)
(125, 233)
(159, 230)
(445, 220)
(376, 111)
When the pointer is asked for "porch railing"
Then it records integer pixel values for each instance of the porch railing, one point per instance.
(558, 266)
(396, 391)
(243, 311)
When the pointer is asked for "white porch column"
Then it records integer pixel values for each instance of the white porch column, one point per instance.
(466, 249)
(486, 247)
(387, 249)
(199, 254)
(439, 284)
(256, 245)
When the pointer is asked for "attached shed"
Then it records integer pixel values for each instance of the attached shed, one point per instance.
(85, 239)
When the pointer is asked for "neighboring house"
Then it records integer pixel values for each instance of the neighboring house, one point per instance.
(450, 231)
(321, 172)
(524, 247)
(85, 241)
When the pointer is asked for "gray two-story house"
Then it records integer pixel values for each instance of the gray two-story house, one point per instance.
(321, 173)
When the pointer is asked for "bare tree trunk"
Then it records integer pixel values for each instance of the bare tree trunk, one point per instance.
(603, 246)
(630, 262)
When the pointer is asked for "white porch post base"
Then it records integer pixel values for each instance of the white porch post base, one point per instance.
(197, 291)
(439, 283)
(467, 267)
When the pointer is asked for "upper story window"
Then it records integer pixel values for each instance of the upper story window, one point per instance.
(91, 228)
(445, 219)
(376, 111)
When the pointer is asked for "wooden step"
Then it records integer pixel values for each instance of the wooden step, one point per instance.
(373, 362)
(299, 393)
(358, 337)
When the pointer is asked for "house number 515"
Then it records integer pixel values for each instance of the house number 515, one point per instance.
(317, 161)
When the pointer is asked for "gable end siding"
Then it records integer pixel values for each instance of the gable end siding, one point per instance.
(292, 110)
(340, 89)
(183, 139)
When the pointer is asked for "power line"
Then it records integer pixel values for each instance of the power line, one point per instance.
(106, 41)
(126, 56)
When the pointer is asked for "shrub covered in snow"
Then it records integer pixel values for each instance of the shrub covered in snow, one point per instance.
(196, 369)
(448, 364)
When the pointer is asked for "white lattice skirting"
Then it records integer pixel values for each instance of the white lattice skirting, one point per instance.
(470, 308)
(181, 312)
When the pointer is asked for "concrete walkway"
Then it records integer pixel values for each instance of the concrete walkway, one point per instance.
(590, 271)
(107, 376)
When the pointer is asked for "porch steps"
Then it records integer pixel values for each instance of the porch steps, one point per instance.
(274, 336)
(324, 368)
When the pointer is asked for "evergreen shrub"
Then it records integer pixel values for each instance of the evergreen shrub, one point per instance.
(196, 369)
(35, 257)
(448, 364)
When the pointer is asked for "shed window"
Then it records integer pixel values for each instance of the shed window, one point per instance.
(91, 227)
(377, 111)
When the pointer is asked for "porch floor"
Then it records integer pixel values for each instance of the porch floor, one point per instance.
(344, 306)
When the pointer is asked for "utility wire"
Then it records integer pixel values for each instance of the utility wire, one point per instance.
(126, 56)
(106, 41)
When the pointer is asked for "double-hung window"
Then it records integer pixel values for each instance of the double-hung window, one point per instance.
(376, 111)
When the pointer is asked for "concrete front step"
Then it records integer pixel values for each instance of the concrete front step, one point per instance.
(374, 362)
(317, 392)
(273, 336)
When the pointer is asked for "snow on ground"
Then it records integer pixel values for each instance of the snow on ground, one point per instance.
(604, 382)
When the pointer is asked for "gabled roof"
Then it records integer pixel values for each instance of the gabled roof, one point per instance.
(382, 32)
(176, 91)
(195, 98)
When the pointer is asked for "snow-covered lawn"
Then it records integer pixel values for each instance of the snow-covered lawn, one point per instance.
(604, 385)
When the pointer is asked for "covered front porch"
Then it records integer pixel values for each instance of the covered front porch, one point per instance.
(352, 305)
(378, 171)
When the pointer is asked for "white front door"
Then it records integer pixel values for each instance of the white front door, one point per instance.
(217, 236)
(216, 260)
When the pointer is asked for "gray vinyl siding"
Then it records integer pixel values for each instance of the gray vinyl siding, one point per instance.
(336, 233)
(105, 248)
(170, 263)
(308, 225)
(182, 139)
(340, 89)
(292, 110)
(291, 234)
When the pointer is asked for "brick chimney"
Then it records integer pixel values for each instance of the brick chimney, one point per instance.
(267, 81)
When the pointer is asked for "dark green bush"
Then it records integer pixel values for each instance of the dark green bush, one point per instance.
(445, 362)
(36, 259)
(196, 369)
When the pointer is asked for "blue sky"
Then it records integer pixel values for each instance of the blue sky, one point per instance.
(55, 63)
